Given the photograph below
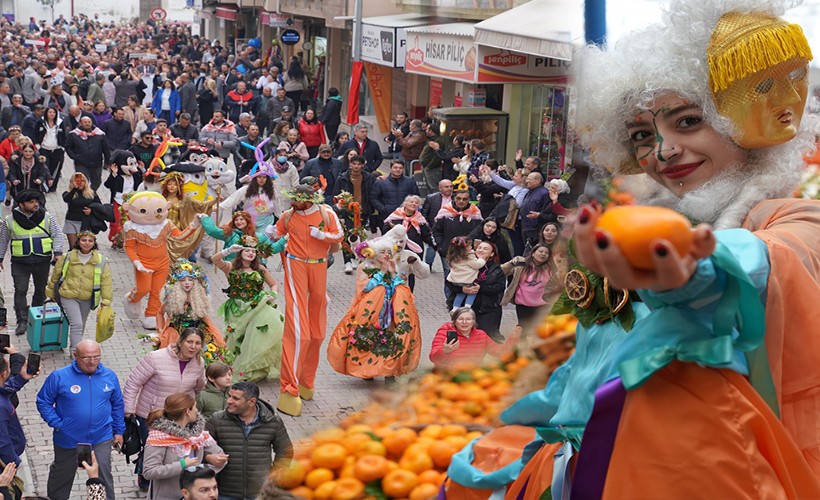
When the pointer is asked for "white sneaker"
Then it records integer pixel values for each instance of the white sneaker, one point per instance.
(355, 264)
(348, 268)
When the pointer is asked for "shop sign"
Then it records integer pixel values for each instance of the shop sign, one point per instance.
(435, 93)
(276, 20)
(505, 66)
(290, 37)
(385, 46)
(477, 98)
(443, 56)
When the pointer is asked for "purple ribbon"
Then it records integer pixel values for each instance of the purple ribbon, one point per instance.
(598, 442)
(442, 493)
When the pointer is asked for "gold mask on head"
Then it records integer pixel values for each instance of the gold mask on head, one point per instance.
(758, 76)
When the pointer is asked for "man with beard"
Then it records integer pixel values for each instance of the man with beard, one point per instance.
(219, 134)
(87, 146)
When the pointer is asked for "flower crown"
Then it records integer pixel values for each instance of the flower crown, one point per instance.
(85, 233)
(184, 268)
(262, 248)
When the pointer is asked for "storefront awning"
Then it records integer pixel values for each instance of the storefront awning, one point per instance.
(442, 51)
(384, 38)
(227, 12)
(399, 20)
(540, 27)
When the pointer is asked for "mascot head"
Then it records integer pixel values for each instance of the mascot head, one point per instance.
(147, 207)
(125, 160)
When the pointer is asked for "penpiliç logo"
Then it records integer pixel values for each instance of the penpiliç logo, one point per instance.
(415, 56)
(505, 58)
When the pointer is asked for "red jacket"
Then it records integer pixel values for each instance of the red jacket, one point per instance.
(7, 148)
(312, 133)
(470, 350)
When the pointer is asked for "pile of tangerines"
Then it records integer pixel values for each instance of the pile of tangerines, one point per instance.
(556, 325)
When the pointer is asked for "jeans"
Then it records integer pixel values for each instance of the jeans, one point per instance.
(64, 467)
(20, 274)
(464, 300)
(77, 313)
(54, 161)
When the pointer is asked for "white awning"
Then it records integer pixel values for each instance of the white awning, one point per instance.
(540, 27)
(399, 20)
(456, 29)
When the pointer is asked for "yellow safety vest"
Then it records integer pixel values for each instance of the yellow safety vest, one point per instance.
(26, 242)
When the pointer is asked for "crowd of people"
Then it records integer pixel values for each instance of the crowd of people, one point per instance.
(197, 144)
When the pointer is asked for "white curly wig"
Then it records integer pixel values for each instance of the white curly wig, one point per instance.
(671, 57)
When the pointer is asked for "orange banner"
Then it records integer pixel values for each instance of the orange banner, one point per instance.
(380, 81)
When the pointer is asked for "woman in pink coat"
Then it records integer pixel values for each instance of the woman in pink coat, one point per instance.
(177, 368)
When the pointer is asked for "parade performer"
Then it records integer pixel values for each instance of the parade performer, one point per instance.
(182, 210)
(125, 177)
(350, 214)
(380, 333)
(185, 304)
(241, 224)
(146, 243)
(257, 197)
(312, 229)
(255, 323)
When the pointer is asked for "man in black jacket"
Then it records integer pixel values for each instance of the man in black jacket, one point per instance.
(87, 146)
(30, 121)
(359, 183)
(118, 131)
(247, 430)
(367, 148)
(430, 208)
(459, 219)
(331, 115)
(388, 194)
(183, 129)
(324, 165)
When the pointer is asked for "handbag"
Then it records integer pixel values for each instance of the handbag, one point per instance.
(512, 216)
(105, 323)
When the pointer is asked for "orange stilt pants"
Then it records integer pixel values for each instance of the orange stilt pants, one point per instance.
(151, 285)
(305, 323)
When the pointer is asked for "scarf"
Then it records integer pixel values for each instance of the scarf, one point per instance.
(26, 165)
(29, 222)
(449, 212)
(280, 168)
(415, 220)
(167, 434)
(85, 135)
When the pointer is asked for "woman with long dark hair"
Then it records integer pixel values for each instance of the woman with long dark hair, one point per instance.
(258, 199)
(295, 82)
(50, 136)
(534, 287)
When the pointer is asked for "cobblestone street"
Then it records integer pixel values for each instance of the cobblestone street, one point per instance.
(336, 395)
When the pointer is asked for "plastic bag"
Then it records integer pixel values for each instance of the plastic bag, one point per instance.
(105, 323)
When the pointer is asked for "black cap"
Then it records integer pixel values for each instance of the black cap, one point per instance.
(28, 195)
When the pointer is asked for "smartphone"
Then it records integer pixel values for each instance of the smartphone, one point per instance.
(5, 341)
(33, 363)
(452, 336)
(83, 454)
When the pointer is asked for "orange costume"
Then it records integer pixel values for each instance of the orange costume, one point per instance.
(146, 243)
(305, 264)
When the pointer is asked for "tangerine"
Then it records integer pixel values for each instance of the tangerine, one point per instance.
(432, 477)
(634, 228)
(302, 492)
(332, 435)
(370, 468)
(416, 462)
(424, 491)
(292, 476)
(324, 491)
(317, 477)
(329, 455)
(348, 488)
(399, 483)
(370, 448)
(453, 430)
(398, 441)
(441, 452)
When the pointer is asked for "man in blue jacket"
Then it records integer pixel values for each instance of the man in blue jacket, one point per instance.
(83, 403)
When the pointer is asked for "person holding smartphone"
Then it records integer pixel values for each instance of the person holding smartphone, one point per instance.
(12, 437)
(459, 341)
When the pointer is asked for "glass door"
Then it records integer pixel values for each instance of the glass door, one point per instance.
(548, 127)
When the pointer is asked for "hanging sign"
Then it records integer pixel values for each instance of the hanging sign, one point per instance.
(290, 37)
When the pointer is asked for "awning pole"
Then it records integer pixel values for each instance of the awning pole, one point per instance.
(357, 31)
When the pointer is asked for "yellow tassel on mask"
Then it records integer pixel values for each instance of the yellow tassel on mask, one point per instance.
(745, 43)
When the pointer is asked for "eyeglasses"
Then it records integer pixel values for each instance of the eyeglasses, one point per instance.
(325, 152)
(90, 358)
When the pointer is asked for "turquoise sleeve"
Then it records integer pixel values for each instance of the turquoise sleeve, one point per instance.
(211, 229)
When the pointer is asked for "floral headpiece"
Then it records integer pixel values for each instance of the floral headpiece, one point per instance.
(172, 175)
(263, 248)
(183, 268)
(85, 233)
(304, 193)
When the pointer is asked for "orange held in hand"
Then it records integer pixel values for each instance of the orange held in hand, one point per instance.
(634, 228)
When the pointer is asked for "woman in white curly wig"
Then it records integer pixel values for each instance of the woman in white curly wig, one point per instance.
(707, 109)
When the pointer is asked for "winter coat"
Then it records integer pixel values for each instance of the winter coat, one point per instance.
(493, 283)
(173, 101)
(332, 112)
(79, 278)
(389, 193)
(488, 201)
(239, 103)
(90, 152)
(343, 184)
(118, 134)
(301, 151)
(470, 350)
(534, 201)
(330, 168)
(40, 132)
(38, 171)
(211, 400)
(275, 106)
(82, 408)
(371, 152)
(293, 85)
(187, 98)
(156, 376)
(250, 457)
(12, 438)
(411, 145)
(124, 88)
(225, 133)
(95, 93)
(76, 203)
(447, 228)
(312, 133)
(161, 464)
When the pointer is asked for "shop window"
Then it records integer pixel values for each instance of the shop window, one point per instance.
(548, 127)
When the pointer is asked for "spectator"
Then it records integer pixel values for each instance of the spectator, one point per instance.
(30, 122)
(295, 81)
(134, 112)
(147, 124)
(86, 145)
(177, 440)
(260, 110)
(488, 289)
(431, 164)
(187, 96)
(30, 260)
(214, 397)
(530, 164)
(534, 201)
(295, 149)
(26, 171)
(95, 90)
(358, 183)
(478, 155)
(248, 430)
(430, 209)
(507, 212)
(160, 373)
(126, 85)
(470, 344)
(239, 101)
(5, 95)
(51, 137)
(286, 116)
(418, 229)
(206, 99)
(389, 193)
(366, 148)
(400, 128)
(9, 146)
(15, 114)
(557, 203)
(83, 403)
(464, 266)
(198, 483)
(57, 99)
(185, 131)
(25, 86)
(243, 124)
(457, 219)
(489, 231)
(145, 149)
(244, 157)
(118, 132)
(166, 102)
(278, 103)
(332, 115)
(324, 165)
(534, 287)
(85, 283)
(73, 98)
(412, 143)
(451, 156)
(110, 90)
(489, 193)
(312, 132)
(336, 144)
(101, 113)
(12, 437)
(219, 134)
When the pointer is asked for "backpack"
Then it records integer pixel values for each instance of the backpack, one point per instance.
(334, 247)
(131, 442)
